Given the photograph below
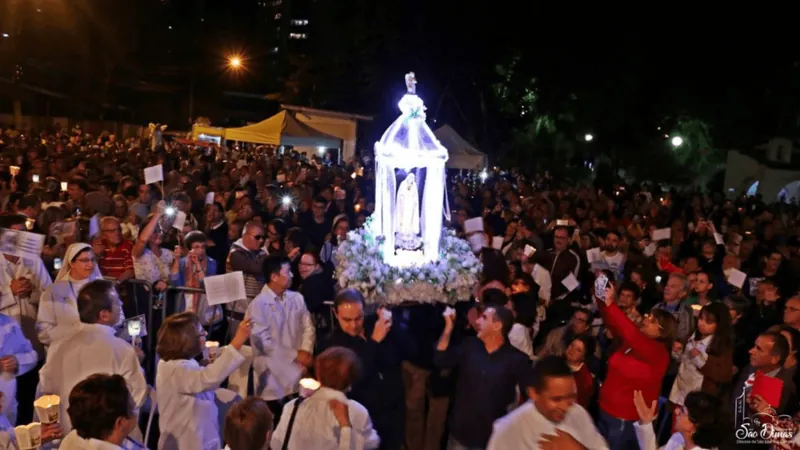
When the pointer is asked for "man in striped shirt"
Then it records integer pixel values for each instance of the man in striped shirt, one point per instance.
(114, 253)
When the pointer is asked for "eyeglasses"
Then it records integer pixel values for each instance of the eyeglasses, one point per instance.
(86, 260)
(111, 230)
(258, 237)
(651, 318)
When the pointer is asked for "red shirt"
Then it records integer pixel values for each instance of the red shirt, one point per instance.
(638, 365)
(115, 261)
(585, 383)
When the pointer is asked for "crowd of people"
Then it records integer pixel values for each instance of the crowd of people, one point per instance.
(610, 316)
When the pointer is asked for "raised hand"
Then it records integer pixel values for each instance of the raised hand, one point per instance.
(646, 414)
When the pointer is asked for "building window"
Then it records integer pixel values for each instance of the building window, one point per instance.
(297, 35)
(300, 22)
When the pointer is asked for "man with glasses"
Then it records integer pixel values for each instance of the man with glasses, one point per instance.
(559, 338)
(247, 256)
(316, 224)
(791, 313)
(114, 254)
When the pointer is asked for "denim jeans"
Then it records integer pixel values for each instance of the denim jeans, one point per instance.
(619, 433)
(453, 444)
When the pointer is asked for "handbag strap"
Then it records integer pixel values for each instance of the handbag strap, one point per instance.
(291, 423)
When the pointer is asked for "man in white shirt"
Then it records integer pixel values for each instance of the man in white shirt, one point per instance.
(282, 337)
(18, 358)
(92, 348)
(611, 255)
(22, 281)
(551, 419)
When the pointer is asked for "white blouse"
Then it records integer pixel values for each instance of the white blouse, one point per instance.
(151, 268)
(315, 426)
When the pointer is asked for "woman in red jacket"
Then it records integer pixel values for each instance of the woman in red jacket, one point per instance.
(639, 364)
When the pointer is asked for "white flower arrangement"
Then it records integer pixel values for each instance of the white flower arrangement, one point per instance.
(449, 279)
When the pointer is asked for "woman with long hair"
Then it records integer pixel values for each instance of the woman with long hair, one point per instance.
(58, 305)
(495, 273)
(341, 225)
(706, 363)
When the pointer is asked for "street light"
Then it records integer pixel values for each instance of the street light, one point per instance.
(677, 141)
(235, 62)
(588, 137)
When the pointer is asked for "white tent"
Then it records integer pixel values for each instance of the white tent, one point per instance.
(462, 154)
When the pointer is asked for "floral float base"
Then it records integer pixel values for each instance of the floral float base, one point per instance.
(449, 279)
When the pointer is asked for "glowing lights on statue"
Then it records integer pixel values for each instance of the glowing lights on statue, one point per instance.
(677, 141)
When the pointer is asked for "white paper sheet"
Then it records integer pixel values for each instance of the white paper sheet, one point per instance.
(21, 243)
(473, 225)
(570, 282)
(736, 278)
(529, 251)
(153, 174)
(224, 288)
(94, 226)
(497, 242)
(210, 198)
(718, 239)
(662, 234)
(650, 250)
(593, 255)
(180, 220)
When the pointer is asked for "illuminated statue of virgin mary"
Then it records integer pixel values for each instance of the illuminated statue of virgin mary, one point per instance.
(407, 214)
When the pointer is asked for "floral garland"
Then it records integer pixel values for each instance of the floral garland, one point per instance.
(449, 279)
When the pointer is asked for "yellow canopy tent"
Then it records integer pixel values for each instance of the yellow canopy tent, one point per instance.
(280, 129)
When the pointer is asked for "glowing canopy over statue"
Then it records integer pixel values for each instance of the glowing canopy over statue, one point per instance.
(408, 154)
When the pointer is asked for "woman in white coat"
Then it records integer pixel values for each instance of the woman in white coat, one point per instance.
(326, 419)
(58, 305)
(188, 415)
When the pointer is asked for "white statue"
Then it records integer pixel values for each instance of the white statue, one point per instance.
(407, 214)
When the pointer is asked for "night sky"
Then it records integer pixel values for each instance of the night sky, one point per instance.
(619, 78)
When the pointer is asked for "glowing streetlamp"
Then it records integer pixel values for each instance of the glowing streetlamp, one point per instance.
(677, 141)
(588, 137)
(235, 62)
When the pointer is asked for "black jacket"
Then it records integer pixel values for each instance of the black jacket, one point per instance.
(380, 386)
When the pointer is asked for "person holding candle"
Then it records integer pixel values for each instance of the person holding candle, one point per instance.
(188, 415)
(327, 419)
